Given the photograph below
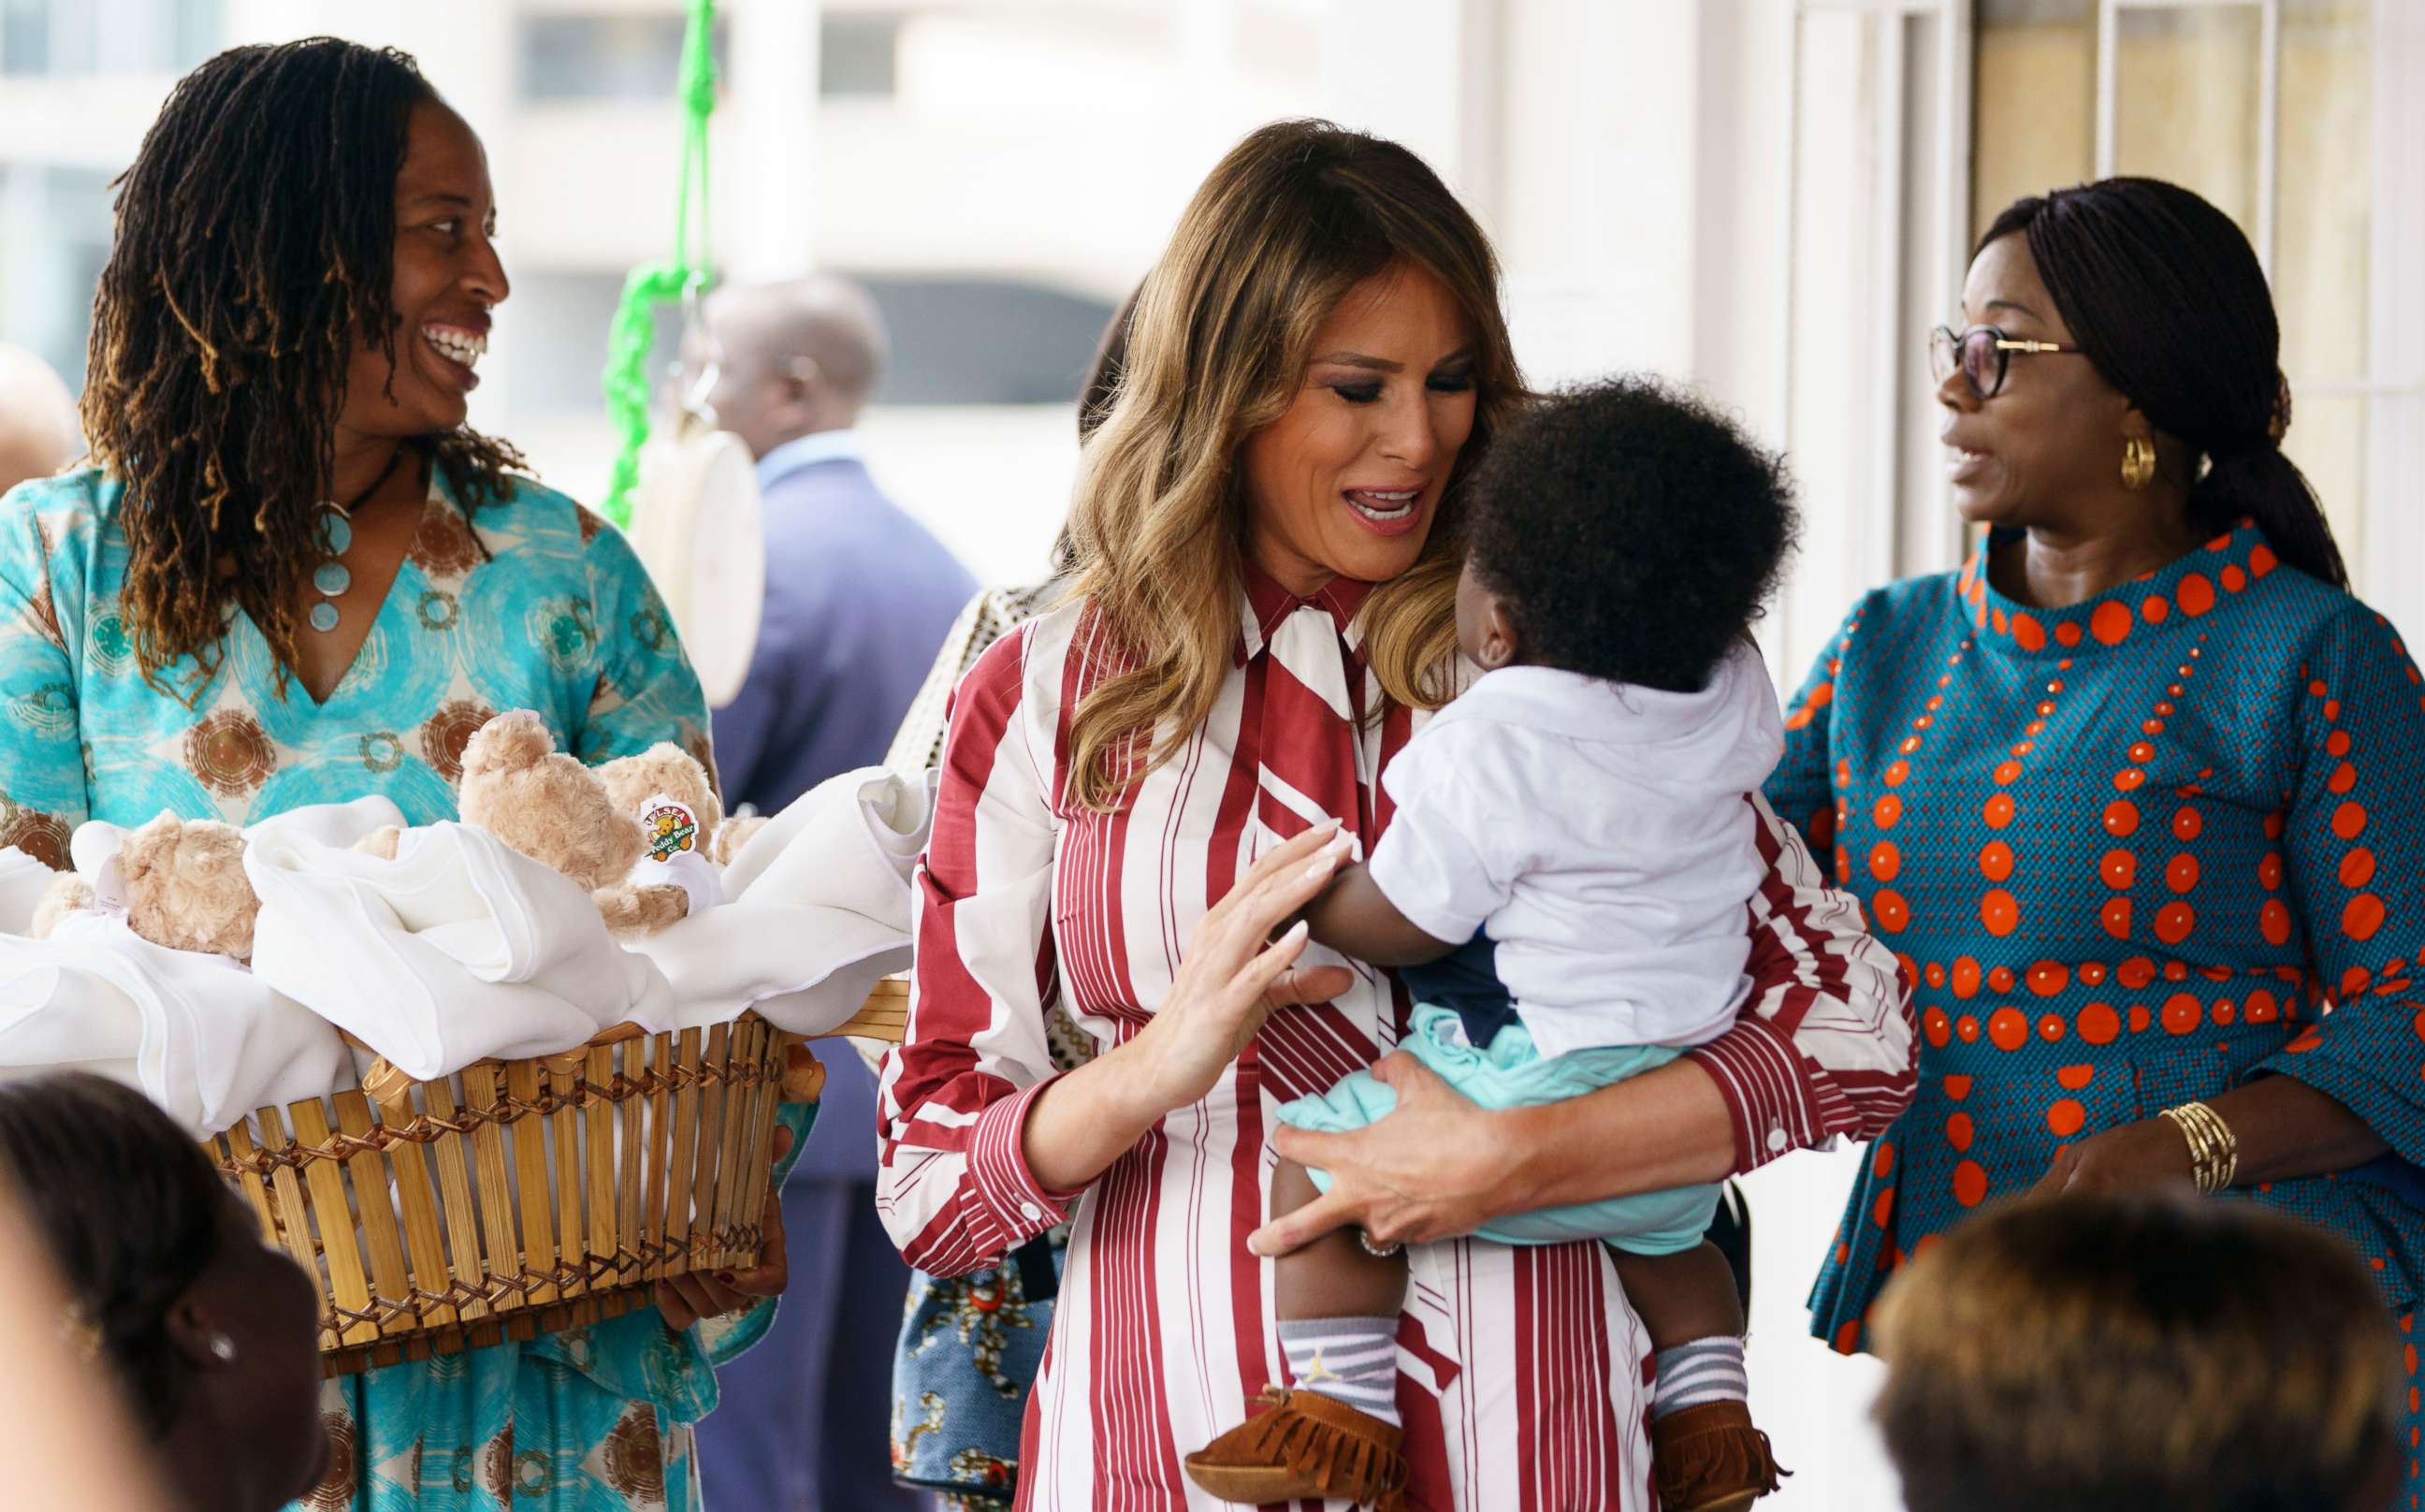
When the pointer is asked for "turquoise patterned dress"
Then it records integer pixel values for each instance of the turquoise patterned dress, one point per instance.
(2133, 852)
(556, 615)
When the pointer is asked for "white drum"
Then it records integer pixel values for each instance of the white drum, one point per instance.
(695, 526)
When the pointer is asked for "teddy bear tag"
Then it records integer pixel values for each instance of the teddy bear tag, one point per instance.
(109, 888)
(671, 826)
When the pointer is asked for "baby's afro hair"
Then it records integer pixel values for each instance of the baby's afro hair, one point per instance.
(1631, 531)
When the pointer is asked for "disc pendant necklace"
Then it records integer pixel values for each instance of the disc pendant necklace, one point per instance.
(331, 578)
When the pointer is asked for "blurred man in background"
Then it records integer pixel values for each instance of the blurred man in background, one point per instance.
(38, 420)
(859, 598)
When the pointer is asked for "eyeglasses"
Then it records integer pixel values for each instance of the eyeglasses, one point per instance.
(1982, 353)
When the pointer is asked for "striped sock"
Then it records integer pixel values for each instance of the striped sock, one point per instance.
(1706, 1369)
(1353, 1360)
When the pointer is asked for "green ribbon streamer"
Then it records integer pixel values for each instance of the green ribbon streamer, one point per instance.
(650, 284)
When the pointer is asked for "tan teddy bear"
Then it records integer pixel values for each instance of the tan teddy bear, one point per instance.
(67, 893)
(731, 835)
(666, 770)
(681, 819)
(185, 887)
(592, 824)
(690, 815)
(550, 806)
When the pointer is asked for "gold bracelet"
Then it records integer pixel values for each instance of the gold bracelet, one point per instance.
(2214, 1153)
(2195, 1135)
(2225, 1139)
(2201, 1152)
(2214, 1150)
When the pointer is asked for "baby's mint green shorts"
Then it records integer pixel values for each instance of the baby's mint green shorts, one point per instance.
(1512, 1074)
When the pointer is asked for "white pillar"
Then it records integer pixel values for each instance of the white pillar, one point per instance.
(766, 200)
(1571, 128)
(1208, 65)
(1643, 179)
(1424, 72)
(2393, 543)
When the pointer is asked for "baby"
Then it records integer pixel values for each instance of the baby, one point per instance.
(1565, 884)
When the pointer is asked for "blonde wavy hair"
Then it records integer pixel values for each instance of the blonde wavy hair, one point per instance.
(1296, 215)
(2109, 1354)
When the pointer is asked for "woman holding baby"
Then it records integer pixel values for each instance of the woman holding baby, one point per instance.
(1142, 788)
(293, 576)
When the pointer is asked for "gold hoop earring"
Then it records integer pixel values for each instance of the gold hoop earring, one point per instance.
(2138, 463)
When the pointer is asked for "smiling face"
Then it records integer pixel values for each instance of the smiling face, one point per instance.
(1347, 481)
(446, 279)
(2045, 452)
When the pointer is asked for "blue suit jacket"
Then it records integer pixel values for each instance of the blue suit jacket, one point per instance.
(859, 598)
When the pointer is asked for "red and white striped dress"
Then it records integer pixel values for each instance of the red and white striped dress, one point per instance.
(1523, 1372)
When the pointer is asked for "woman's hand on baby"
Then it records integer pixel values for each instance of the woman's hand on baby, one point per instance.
(1234, 973)
(685, 1300)
(1436, 1167)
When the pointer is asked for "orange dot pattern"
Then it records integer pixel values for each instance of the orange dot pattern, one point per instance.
(2127, 852)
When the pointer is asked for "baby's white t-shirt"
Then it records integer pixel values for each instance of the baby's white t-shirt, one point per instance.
(1597, 832)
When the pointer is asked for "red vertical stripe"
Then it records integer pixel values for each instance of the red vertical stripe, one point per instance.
(1238, 791)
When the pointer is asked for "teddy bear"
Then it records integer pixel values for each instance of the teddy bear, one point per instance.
(666, 770)
(67, 893)
(732, 834)
(681, 819)
(669, 794)
(184, 889)
(594, 824)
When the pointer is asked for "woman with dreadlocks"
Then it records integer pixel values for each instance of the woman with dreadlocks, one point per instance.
(291, 574)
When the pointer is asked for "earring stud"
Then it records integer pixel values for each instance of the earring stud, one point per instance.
(222, 1348)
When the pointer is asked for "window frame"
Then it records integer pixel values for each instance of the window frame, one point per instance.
(2389, 555)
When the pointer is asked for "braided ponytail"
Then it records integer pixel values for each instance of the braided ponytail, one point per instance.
(2263, 485)
(2165, 296)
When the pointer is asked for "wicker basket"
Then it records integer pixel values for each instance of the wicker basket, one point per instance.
(522, 1196)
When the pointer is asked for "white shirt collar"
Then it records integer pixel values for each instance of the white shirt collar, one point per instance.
(803, 451)
(1572, 705)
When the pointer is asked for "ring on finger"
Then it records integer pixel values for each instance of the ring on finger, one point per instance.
(1377, 1251)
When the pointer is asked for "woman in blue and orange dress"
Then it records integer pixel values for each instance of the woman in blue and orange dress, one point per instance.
(2138, 795)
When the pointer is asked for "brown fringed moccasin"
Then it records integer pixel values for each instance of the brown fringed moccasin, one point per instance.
(1709, 1459)
(1308, 1445)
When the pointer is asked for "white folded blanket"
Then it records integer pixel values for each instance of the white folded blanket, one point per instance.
(461, 949)
(816, 910)
(197, 1034)
(458, 950)
(328, 823)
